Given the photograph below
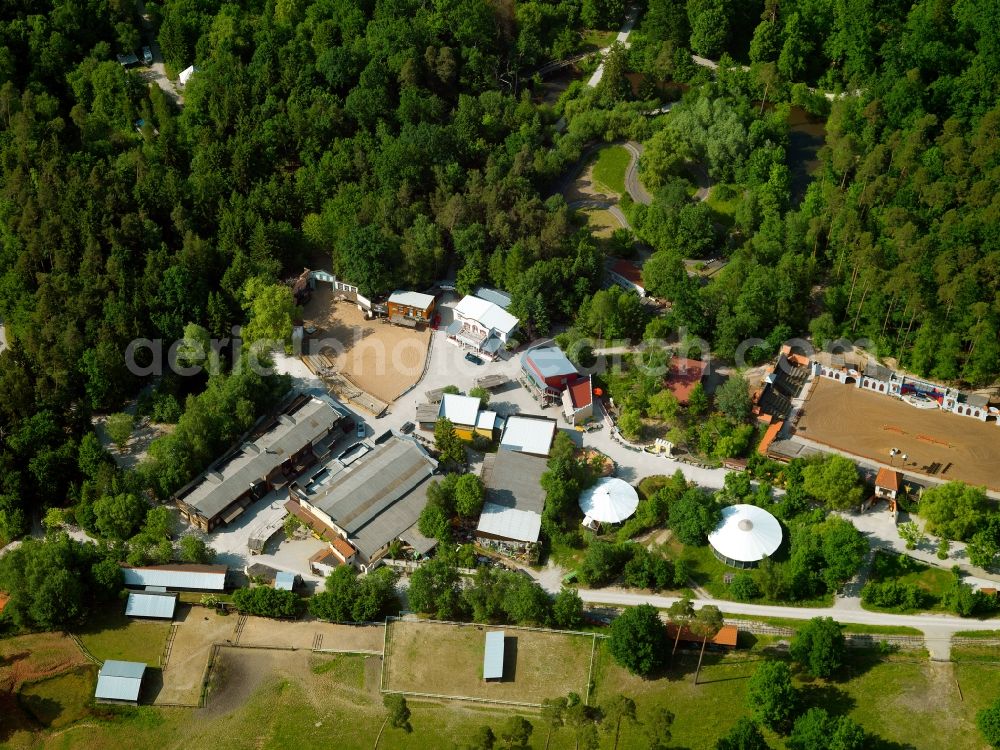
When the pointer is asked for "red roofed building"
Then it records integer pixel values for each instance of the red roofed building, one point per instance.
(578, 400)
(684, 375)
(772, 432)
(887, 483)
(727, 636)
(628, 275)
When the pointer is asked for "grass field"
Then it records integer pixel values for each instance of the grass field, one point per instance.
(609, 169)
(906, 703)
(602, 222)
(592, 40)
(447, 660)
(59, 701)
(933, 581)
(109, 634)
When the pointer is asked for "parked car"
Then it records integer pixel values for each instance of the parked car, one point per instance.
(473, 359)
(407, 428)
(361, 429)
(147, 55)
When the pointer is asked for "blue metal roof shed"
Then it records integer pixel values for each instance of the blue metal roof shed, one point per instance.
(285, 580)
(493, 656)
(119, 681)
(151, 605)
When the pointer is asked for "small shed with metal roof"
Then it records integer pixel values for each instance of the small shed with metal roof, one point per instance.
(119, 682)
(493, 655)
(152, 605)
(285, 580)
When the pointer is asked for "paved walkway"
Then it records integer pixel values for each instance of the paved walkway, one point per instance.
(621, 38)
(632, 185)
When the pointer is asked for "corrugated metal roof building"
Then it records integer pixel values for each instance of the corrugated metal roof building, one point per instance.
(251, 470)
(374, 500)
(532, 435)
(493, 656)
(119, 682)
(514, 497)
(151, 605)
(178, 576)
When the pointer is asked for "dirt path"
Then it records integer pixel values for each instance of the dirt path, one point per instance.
(632, 185)
(157, 71)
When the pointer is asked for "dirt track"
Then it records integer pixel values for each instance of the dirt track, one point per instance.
(869, 425)
(379, 358)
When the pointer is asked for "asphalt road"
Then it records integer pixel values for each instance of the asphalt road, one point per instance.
(632, 185)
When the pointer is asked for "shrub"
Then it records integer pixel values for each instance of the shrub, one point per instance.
(744, 587)
(267, 602)
(893, 595)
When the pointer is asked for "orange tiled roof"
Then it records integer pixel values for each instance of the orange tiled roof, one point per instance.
(887, 479)
(769, 436)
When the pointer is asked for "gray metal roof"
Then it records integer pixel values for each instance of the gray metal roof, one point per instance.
(202, 577)
(514, 495)
(493, 655)
(549, 362)
(420, 543)
(509, 523)
(358, 493)
(394, 522)
(501, 299)
(877, 371)
(119, 681)
(223, 485)
(151, 605)
(284, 580)
(976, 399)
(427, 413)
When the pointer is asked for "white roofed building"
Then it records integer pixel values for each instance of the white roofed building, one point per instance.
(610, 500)
(511, 519)
(532, 435)
(745, 536)
(481, 325)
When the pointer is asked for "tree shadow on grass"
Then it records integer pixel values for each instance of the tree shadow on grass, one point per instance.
(824, 695)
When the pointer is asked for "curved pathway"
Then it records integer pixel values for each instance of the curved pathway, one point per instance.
(632, 185)
(611, 208)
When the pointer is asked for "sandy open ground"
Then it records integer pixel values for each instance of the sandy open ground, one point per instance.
(198, 628)
(869, 425)
(447, 660)
(376, 356)
(312, 634)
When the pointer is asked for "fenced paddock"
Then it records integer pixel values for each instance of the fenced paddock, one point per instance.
(435, 659)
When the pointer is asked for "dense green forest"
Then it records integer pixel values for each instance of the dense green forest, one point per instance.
(407, 142)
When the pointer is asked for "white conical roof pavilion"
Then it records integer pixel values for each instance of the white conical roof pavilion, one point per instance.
(746, 534)
(611, 500)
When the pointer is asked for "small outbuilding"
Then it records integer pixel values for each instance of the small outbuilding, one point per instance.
(745, 536)
(887, 484)
(151, 605)
(493, 656)
(119, 682)
(410, 307)
(531, 435)
(285, 580)
(610, 500)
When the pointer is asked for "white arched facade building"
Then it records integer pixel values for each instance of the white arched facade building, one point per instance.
(745, 536)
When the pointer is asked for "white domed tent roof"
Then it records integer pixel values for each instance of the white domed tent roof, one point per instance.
(611, 500)
(746, 535)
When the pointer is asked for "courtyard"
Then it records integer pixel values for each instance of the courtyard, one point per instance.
(938, 444)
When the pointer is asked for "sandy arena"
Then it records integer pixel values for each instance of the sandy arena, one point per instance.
(869, 425)
(378, 357)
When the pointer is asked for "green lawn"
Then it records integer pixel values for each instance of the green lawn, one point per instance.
(723, 200)
(709, 573)
(903, 702)
(593, 40)
(59, 701)
(888, 566)
(609, 169)
(109, 634)
(787, 622)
